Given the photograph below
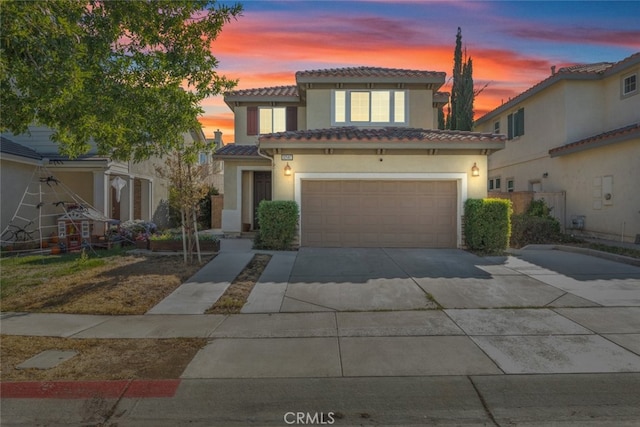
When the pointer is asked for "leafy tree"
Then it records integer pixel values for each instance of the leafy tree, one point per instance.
(128, 75)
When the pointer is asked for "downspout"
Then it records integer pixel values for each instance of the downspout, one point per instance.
(273, 166)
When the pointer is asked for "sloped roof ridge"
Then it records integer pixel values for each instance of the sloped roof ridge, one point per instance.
(368, 71)
(281, 90)
(8, 146)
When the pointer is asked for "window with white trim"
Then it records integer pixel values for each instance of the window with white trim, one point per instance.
(630, 85)
(496, 127)
(494, 184)
(357, 107)
(510, 185)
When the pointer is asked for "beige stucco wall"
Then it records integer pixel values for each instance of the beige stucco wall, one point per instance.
(420, 110)
(370, 163)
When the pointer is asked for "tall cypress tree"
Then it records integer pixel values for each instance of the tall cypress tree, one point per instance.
(465, 98)
(452, 122)
(461, 113)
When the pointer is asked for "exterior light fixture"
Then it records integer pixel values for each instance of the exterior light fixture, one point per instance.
(287, 170)
(474, 170)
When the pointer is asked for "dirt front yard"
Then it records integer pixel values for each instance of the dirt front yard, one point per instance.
(112, 283)
(104, 283)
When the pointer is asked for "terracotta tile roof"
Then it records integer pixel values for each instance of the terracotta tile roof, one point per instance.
(7, 146)
(610, 137)
(368, 72)
(598, 67)
(583, 71)
(287, 91)
(236, 150)
(388, 134)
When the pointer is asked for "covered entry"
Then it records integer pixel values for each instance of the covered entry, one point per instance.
(379, 213)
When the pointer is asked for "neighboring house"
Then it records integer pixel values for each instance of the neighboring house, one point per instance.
(577, 132)
(357, 149)
(143, 194)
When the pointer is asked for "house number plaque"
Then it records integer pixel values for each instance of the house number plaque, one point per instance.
(286, 157)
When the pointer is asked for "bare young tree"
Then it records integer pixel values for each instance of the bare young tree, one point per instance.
(187, 188)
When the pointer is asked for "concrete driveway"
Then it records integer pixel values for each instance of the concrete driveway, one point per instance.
(333, 279)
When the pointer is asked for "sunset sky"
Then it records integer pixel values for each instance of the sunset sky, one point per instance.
(513, 43)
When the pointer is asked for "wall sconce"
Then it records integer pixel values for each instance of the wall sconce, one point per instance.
(545, 175)
(474, 170)
(287, 170)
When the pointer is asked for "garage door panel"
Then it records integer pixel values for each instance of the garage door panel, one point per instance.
(374, 213)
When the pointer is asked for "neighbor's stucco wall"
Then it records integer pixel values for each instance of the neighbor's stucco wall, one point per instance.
(582, 175)
(14, 179)
(620, 111)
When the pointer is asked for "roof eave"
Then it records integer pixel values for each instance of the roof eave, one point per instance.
(387, 145)
(564, 150)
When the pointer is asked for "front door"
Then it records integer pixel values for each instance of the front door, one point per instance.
(261, 191)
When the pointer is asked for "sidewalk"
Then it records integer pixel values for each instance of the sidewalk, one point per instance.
(570, 358)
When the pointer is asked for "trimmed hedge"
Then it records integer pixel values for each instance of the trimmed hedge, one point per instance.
(278, 223)
(487, 225)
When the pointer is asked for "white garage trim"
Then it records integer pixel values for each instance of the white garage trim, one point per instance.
(460, 178)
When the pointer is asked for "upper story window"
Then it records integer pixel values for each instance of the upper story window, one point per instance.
(203, 158)
(262, 120)
(272, 120)
(515, 124)
(496, 127)
(630, 85)
(359, 107)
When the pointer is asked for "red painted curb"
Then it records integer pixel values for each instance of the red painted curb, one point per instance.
(88, 389)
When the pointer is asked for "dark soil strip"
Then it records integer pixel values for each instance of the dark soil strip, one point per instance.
(234, 298)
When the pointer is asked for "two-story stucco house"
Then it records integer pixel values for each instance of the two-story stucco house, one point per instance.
(578, 132)
(358, 150)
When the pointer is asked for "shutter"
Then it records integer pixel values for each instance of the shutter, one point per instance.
(292, 118)
(520, 122)
(510, 126)
(252, 120)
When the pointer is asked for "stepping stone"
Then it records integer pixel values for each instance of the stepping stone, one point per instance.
(47, 359)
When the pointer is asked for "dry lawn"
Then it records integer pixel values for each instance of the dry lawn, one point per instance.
(234, 298)
(99, 359)
(121, 285)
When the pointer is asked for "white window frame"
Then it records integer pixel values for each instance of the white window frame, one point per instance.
(623, 85)
(496, 127)
(272, 129)
(511, 189)
(347, 107)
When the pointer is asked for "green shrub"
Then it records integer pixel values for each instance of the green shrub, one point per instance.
(527, 230)
(487, 225)
(539, 209)
(535, 226)
(278, 223)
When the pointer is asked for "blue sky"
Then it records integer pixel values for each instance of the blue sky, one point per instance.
(513, 43)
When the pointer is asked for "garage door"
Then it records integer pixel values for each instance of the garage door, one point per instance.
(364, 213)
